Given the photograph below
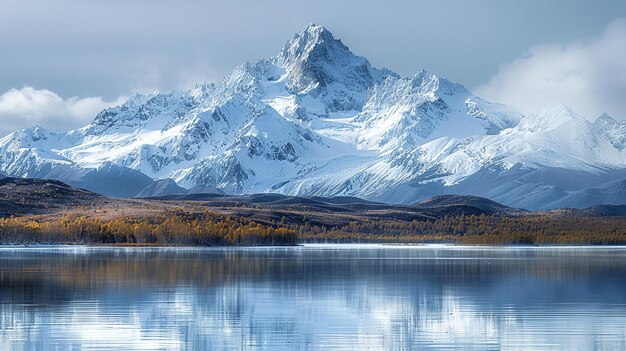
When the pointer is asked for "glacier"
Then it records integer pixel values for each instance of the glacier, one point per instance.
(318, 120)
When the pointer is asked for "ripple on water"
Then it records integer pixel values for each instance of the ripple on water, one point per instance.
(314, 297)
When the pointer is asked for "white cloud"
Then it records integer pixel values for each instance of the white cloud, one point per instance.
(28, 107)
(588, 75)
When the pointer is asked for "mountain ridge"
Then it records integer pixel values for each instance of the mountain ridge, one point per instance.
(318, 120)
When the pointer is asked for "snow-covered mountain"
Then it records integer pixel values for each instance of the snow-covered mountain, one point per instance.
(318, 120)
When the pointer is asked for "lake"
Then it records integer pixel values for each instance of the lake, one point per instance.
(313, 297)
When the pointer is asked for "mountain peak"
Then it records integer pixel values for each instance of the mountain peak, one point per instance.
(614, 130)
(605, 119)
(551, 117)
(314, 28)
(559, 111)
(318, 64)
(306, 41)
(427, 81)
(35, 133)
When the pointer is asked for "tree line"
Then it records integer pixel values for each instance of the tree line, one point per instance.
(179, 228)
(478, 230)
(205, 228)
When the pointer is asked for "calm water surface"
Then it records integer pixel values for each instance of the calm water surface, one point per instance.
(322, 297)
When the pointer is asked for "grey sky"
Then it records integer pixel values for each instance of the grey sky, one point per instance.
(107, 49)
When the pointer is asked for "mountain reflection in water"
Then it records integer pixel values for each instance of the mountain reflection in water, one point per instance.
(313, 297)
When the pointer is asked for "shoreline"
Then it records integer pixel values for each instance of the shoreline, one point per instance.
(309, 245)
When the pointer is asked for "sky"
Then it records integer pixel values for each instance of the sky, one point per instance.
(61, 61)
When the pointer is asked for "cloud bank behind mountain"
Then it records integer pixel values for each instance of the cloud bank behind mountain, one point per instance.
(589, 75)
(28, 106)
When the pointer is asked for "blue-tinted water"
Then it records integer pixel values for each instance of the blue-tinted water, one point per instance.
(313, 298)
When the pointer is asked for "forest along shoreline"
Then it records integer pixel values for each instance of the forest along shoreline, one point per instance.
(207, 229)
(36, 211)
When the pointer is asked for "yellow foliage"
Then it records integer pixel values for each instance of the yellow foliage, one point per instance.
(167, 229)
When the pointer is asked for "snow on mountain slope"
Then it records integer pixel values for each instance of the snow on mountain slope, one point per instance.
(27, 152)
(613, 130)
(402, 113)
(318, 120)
(508, 167)
(555, 137)
(511, 167)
